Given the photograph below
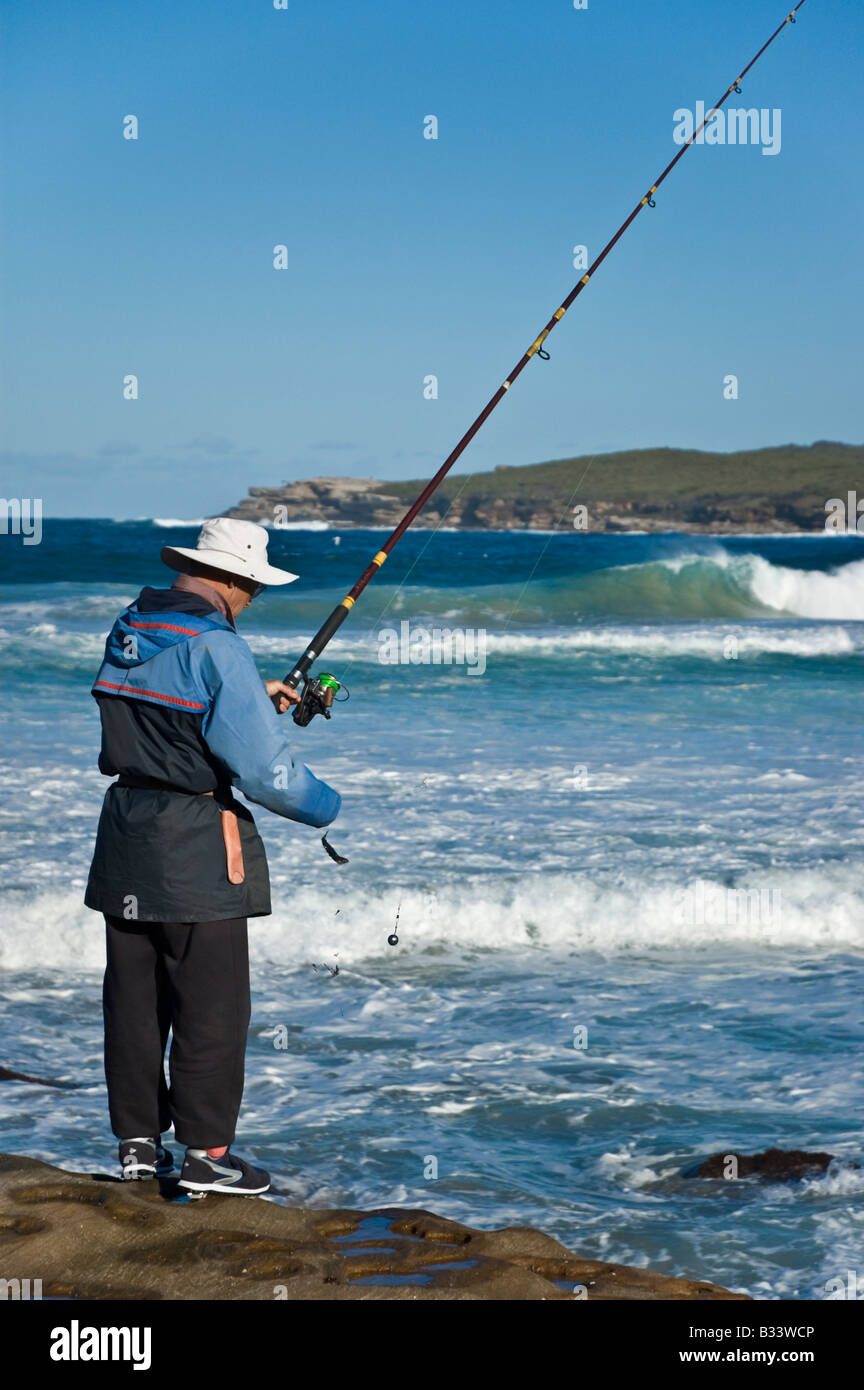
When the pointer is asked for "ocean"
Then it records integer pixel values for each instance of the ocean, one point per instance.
(625, 844)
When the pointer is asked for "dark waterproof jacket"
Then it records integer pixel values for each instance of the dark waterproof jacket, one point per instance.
(184, 712)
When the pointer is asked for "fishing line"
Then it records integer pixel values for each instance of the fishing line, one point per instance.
(317, 696)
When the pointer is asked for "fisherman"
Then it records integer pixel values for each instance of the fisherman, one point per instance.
(178, 864)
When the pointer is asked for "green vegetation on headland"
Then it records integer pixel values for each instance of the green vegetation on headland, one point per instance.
(775, 489)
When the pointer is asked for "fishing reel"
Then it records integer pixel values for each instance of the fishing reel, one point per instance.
(319, 693)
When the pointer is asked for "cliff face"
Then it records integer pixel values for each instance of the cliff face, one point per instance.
(783, 489)
(90, 1236)
(341, 501)
(347, 502)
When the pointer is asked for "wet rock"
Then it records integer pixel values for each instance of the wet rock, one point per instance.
(774, 1165)
(89, 1236)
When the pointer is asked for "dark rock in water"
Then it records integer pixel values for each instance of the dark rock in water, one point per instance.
(774, 1165)
(94, 1237)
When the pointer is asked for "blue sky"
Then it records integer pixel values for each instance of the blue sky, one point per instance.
(410, 256)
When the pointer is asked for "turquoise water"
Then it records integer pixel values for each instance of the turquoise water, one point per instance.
(638, 831)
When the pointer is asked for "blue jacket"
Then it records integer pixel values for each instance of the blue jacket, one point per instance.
(185, 713)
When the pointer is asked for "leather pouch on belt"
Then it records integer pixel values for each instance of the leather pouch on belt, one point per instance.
(233, 847)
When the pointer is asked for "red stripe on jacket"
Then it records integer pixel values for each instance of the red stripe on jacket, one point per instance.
(170, 627)
(150, 694)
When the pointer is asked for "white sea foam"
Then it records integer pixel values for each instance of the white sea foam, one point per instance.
(668, 641)
(838, 593)
(626, 1168)
(840, 1179)
(67, 606)
(832, 594)
(783, 776)
(69, 650)
(655, 641)
(820, 911)
(720, 582)
(718, 590)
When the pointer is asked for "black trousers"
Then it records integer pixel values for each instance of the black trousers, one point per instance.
(191, 978)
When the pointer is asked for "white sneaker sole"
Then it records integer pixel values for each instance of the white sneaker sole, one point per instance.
(223, 1187)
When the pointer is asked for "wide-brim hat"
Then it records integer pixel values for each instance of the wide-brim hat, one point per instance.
(237, 547)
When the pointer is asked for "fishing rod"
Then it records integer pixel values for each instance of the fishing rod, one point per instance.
(319, 692)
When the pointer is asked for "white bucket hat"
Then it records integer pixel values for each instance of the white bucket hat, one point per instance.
(237, 547)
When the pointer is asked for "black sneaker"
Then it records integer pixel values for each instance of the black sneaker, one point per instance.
(226, 1174)
(145, 1158)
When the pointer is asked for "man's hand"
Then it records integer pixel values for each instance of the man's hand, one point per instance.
(283, 696)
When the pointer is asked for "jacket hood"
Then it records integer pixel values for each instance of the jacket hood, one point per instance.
(157, 620)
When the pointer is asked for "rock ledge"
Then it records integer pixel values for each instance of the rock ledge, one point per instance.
(95, 1237)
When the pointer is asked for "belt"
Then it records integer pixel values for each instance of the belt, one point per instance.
(230, 823)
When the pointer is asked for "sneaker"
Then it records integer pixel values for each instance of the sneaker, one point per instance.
(145, 1158)
(226, 1174)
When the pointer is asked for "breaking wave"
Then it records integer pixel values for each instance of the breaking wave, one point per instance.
(723, 585)
(811, 910)
(684, 606)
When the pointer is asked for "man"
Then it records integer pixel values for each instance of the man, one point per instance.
(178, 865)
